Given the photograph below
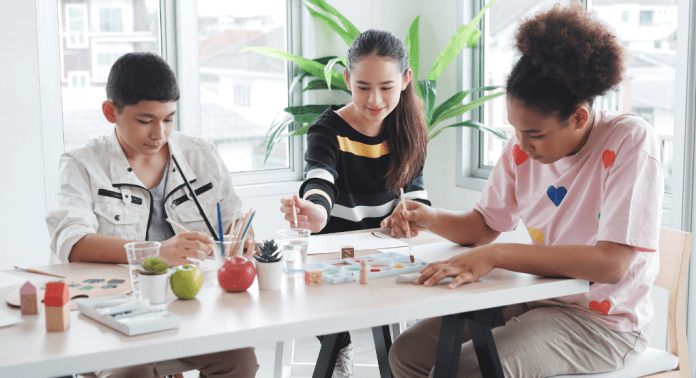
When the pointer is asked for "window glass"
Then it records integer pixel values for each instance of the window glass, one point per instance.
(648, 33)
(87, 52)
(648, 89)
(500, 56)
(241, 93)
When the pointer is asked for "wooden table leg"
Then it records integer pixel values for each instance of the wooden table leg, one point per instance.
(383, 343)
(327, 357)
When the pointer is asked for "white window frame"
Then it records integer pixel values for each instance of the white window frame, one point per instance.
(189, 105)
(69, 32)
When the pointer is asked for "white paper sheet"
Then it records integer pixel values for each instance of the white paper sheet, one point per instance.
(7, 279)
(7, 319)
(332, 243)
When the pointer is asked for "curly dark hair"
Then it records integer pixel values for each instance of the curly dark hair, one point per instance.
(568, 58)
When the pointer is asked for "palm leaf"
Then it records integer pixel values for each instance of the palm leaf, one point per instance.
(457, 98)
(314, 68)
(347, 25)
(429, 94)
(328, 69)
(306, 109)
(464, 35)
(319, 84)
(274, 134)
(473, 124)
(461, 109)
(413, 47)
(347, 38)
(301, 73)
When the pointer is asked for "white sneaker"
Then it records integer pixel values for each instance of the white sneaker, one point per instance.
(344, 363)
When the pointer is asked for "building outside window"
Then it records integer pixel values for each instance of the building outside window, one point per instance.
(646, 18)
(87, 55)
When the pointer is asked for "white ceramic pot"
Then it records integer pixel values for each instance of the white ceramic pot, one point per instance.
(154, 288)
(269, 274)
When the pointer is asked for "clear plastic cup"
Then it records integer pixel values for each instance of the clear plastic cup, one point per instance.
(230, 247)
(294, 243)
(137, 252)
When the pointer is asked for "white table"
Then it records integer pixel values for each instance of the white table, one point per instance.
(216, 320)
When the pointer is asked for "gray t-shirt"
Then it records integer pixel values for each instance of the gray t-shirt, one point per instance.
(159, 228)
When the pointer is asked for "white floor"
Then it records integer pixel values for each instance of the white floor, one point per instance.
(307, 350)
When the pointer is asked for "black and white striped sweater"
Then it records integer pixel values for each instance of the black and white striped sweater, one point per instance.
(345, 171)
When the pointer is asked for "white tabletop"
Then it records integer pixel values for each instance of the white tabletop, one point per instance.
(217, 320)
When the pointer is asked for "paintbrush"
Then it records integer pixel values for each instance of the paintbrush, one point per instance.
(408, 228)
(294, 212)
(177, 225)
(195, 199)
(38, 272)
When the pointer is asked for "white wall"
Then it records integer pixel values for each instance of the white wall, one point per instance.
(22, 196)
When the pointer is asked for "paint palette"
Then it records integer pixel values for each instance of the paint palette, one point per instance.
(81, 288)
(379, 265)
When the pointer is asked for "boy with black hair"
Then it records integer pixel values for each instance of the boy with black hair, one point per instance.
(121, 187)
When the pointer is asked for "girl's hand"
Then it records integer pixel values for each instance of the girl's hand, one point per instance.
(419, 216)
(309, 215)
(466, 267)
(177, 249)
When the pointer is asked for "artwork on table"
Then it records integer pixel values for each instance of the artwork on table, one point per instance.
(378, 265)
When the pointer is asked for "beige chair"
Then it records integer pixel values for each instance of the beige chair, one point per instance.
(675, 250)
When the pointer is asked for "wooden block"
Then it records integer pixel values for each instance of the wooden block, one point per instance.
(312, 277)
(347, 252)
(57, 318)
(363, 272)
(30, 304)
(29, 299)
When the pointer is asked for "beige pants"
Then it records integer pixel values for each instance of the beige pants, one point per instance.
(234, 363)
(541, 342)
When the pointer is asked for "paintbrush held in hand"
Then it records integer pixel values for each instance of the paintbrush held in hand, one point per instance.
(408, 228)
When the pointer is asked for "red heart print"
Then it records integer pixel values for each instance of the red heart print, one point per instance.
(603, 306)
(608, 157)
(518, 155)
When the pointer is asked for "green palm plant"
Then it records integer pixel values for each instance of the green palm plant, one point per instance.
(323, 75)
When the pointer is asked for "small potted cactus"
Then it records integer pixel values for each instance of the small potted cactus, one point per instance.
(269, 265)
(153, 279)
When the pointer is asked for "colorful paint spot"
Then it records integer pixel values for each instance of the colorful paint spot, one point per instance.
(94, 280)
(116, 282)
(341, 263)
(88, 287)
(109, 286)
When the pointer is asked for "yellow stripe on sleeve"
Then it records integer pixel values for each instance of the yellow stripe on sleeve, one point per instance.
(362, 149)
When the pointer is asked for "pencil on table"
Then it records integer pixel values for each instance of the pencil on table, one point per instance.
(39, 272)
(177, 225)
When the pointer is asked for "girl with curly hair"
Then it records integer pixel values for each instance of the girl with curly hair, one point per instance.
(588, 185)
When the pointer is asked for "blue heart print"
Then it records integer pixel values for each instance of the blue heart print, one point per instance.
(556, 194)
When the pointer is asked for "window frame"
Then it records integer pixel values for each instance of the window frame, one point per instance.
(188, 75)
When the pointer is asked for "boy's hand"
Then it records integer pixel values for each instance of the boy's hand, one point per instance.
(419, 216)
(177, 249)
(309, 215)
(466, 267)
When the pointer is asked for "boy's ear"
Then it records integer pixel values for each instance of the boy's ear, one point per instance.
(581, 116)
(109, 110)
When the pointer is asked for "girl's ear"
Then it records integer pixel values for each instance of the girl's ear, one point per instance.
(581, 116)
(407, 79)
(109, 110)
(346, 78)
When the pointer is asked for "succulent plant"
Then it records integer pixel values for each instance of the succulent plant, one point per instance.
(268, 252)
(154, 265)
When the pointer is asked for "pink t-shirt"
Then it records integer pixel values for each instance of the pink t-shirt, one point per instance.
(611, 190)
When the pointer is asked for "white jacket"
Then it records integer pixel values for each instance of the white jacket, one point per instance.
(99, 193)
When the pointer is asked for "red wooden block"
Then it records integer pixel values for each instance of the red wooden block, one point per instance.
(57, 294)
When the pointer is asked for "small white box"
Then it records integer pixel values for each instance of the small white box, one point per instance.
(161, 323)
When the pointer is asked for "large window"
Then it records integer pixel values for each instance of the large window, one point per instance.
(87, 53)
(229, 97)
(647, 30)
(241, 92)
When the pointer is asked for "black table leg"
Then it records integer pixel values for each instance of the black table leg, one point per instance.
(327, 357)
(450, 346)
(383, 343)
